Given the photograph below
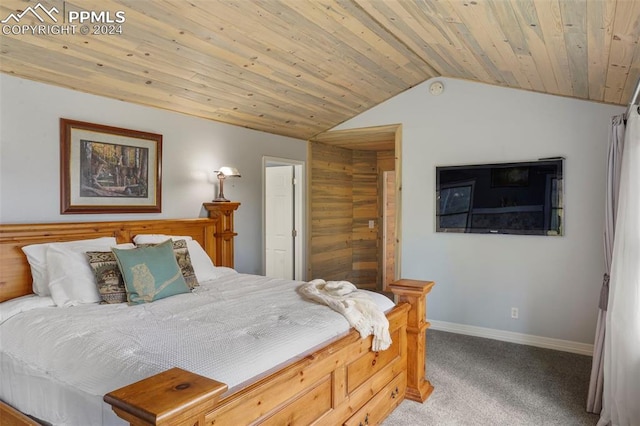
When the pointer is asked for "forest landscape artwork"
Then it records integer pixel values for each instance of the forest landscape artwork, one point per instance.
(111, 170)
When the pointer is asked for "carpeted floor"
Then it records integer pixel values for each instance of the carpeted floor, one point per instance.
(488, 382)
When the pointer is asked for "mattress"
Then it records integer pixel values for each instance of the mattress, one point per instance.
(57, 363)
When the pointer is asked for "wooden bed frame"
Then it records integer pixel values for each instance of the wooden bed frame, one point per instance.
(343, 382)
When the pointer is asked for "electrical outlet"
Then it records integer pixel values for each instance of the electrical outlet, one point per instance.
(371, 224)
(514, 313)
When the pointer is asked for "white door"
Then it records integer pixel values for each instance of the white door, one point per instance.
(279, 222)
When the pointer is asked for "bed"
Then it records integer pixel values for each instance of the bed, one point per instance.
(337, 381)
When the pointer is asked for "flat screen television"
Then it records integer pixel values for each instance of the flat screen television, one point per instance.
(504, 198)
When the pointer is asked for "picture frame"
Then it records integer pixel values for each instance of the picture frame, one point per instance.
(106, 169)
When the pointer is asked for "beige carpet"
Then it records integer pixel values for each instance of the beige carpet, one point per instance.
(488, 382)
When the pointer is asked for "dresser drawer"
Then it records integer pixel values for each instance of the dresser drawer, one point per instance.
(382, 403)
(363, 368)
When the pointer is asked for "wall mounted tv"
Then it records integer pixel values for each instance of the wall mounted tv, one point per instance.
(505, 198)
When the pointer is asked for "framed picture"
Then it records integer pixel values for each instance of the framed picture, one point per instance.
(107, 169)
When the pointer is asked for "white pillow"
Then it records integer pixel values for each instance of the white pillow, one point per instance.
(22, 304)
(37, 258)
(158, 238)
(203, 266)
(71, 279)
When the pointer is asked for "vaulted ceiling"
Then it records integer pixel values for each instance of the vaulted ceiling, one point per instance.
(300, 67)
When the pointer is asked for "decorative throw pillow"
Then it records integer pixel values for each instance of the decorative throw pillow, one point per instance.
(183, 258)
(203, 267)
(108, 277)
(150, 273)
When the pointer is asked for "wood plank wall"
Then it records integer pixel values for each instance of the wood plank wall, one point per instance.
(331, 212)
(345, 191)
(364, 273)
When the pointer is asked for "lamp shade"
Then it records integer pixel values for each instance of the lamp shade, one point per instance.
(228, 171)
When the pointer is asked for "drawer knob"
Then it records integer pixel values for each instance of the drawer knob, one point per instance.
(394, 393)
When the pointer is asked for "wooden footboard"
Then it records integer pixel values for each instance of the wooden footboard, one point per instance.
(342, 383)
(9, 416)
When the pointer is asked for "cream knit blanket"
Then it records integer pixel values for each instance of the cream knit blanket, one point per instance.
(358, 308)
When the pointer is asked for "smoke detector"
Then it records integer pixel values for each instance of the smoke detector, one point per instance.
(436, 88)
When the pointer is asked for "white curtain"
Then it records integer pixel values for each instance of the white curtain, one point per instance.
(621, 394)
(614, 162)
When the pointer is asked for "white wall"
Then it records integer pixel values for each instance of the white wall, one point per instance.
(554, 281)
(192, 149)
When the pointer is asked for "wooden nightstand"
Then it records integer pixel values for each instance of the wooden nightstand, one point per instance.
(222, 213)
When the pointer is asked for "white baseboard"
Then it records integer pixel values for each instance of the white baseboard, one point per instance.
(510, 336)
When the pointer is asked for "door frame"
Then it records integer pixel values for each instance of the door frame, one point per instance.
(384, 229)
(300, 222)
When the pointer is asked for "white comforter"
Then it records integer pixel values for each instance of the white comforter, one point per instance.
(231, 329)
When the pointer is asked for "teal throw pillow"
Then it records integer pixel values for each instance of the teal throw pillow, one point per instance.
(184, 261)
(150, 273)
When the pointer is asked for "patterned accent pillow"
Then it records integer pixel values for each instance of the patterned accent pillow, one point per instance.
(150, 273)
(108, 277)
(184, 261)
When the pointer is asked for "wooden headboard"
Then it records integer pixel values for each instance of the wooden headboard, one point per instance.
(15, 274)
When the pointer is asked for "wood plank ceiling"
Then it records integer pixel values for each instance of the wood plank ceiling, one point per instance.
(300, 67)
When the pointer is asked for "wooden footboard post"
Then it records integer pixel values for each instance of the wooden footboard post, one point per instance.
(415, 292)
(172, 397)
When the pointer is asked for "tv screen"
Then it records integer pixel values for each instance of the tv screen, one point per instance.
(505, 198)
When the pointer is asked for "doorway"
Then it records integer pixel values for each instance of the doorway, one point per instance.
(283, 218)
(355, 226)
